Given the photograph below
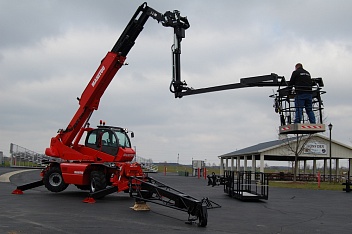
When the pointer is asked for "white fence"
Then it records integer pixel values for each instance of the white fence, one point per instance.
(147, 164)
(22, 157)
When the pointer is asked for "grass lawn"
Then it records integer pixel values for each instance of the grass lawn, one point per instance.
(307, 185)
(279, 184)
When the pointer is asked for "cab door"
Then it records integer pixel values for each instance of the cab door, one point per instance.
(109, 143)
(103, 140)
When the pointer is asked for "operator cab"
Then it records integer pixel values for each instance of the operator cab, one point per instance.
(108, 139)
(284, 104)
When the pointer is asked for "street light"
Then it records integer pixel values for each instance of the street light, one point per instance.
(330, 128)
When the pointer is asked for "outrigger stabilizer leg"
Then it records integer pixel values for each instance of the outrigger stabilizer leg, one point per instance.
(99, 194)
(151, 190)
(21, 188)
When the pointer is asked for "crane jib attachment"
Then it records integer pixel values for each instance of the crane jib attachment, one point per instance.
(115, 59)
(180, 89)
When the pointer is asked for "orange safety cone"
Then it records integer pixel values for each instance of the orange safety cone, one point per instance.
(89, 200)
(17, 191)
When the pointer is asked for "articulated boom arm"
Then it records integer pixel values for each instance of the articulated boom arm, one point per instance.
(114, 60)
(180, 88)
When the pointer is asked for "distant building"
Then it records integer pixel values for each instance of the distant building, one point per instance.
(317, 149)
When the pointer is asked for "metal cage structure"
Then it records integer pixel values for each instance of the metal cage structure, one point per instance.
(284, 105)
(246, 185)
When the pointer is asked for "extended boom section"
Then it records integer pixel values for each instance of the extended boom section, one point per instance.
(151, 190)
(181, 89)
(110, 65)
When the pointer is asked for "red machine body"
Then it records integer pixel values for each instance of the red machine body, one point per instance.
(105, 158)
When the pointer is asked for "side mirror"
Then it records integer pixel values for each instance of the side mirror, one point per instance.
(132, 134)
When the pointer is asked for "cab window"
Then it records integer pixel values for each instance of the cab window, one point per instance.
(109, 139)
(124, 141)
(92, 138)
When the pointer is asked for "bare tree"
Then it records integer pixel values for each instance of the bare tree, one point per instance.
(296, 146)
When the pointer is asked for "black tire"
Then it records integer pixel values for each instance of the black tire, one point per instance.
(203, 217)
(54, 181)
(97, 181)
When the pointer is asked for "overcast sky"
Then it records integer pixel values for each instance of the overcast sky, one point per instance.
(49, 51)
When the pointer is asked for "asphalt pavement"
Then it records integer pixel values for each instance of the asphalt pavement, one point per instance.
(286, 211)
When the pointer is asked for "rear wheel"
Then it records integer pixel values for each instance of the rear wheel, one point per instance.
(54, 181)
(97, 181)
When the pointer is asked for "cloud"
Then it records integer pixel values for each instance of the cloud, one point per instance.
(49, 51)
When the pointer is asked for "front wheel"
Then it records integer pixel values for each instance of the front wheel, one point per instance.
(54, 181)
(97, 181)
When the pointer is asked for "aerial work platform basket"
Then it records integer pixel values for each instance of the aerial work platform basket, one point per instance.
(284, 104)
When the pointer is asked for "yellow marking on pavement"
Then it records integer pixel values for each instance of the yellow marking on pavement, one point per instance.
(5, 178)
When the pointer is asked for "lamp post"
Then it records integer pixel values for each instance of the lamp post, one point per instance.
(330, 128)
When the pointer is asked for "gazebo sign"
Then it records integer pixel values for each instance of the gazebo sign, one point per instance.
(315, 148)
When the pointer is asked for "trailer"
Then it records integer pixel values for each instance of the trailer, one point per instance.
(246, 185)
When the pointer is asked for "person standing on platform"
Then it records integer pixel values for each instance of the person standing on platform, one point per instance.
(301, 80)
